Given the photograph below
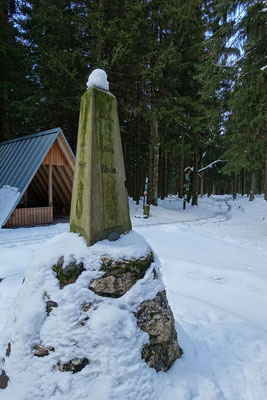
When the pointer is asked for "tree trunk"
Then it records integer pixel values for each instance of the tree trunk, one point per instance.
(252, 186)
(209, 185)
(165, 174)
(195, 175)
(4, 74)
(234, 185)
(156, 164)
(162, 173)
(153, 163)
(137, 165)
(202, 179)
(181, 170)
(243, 182)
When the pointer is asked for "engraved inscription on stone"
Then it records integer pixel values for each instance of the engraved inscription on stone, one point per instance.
(107, 169)
(110, 200)
(108, 149)
(79, 203)
(82, 164)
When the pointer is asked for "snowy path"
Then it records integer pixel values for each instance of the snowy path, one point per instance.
(217, 290)
(214, 267)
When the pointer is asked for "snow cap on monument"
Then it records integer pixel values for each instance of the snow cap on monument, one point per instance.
(98, 78)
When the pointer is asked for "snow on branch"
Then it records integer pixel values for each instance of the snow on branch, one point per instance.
(211, 165)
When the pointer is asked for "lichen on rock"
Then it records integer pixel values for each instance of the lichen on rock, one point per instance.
(155, 317)
(120, 275)
(67, 274)
(42, 351)
(75, 365)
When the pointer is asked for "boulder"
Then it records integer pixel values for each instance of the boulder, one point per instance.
(120, 275)
(155, 317)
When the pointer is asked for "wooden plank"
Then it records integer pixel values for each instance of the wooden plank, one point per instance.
(30, 216)
(42, 180)
(66, 152)
(22, 217)
(43, 173)
(55, 156)
(69, 171)
(61, 183)
(50, 185)
(66, 179)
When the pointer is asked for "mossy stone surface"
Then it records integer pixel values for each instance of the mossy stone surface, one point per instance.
(75, 365)
(69, 273)
(99, 196)
(120, 275)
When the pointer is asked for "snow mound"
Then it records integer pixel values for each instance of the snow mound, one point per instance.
(8, 198)
(105, 331)
(98, 78)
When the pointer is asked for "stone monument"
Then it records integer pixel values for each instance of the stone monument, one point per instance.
(99, 205)
(91, 321)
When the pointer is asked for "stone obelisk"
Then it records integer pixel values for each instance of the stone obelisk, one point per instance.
(99, 204)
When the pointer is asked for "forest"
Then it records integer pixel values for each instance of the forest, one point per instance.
(189, 77)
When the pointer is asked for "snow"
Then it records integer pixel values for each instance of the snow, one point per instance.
(98, 78)
(210, 165)
(214, 268)
(112, 341)
(8, 198)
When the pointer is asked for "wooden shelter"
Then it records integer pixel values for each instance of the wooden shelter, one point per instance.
(38, 170)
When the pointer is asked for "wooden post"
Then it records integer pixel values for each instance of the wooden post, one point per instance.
(50, 186)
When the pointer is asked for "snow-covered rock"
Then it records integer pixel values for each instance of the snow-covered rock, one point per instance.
(68, 342)
(98, 78)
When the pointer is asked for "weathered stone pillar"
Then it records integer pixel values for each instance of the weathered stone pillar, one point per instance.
(99, 196)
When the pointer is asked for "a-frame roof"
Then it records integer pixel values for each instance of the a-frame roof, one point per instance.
(19, 161)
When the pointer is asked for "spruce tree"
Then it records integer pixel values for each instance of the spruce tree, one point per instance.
(246, 126)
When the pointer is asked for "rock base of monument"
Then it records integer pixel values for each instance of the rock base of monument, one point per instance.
(87, 320)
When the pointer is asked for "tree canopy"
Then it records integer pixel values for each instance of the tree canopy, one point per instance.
(189, 76)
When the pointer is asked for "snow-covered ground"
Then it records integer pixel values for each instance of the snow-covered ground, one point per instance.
(214, 265)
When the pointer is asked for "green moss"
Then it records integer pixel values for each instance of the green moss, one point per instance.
(69, 274)
(59, 274)
(134, 266)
